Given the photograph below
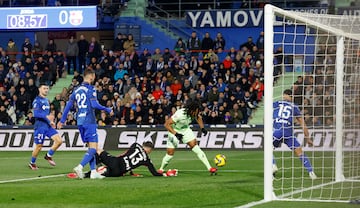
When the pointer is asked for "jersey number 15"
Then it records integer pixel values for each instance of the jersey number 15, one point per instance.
(284, 111)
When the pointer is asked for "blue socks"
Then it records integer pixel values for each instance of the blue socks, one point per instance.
(93, 163)
(306, 162)
(50, 153)
(33, 160)
(88, 157)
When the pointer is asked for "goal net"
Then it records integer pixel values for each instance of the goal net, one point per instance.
(317, 57)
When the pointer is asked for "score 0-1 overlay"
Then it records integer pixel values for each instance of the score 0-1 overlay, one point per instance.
(48, 17)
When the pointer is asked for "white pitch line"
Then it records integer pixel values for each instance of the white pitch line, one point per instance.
(251, 204)
(30, 179)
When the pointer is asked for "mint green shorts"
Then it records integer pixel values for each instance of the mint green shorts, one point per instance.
(173, 142)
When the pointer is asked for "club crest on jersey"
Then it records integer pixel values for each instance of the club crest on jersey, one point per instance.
(76, 17)
(44, 107)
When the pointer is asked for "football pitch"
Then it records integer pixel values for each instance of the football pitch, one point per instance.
(238, 183)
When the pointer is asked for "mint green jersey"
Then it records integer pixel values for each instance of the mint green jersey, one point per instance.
(181, 119)
(182, 126)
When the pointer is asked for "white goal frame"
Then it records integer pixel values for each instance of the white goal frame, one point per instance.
(269, 20)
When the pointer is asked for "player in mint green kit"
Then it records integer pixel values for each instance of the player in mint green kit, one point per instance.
(179, 129)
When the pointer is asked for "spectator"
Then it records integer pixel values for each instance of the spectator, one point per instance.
(23, 102)
(37, 50)
(157, 55)
(227, 63)
(83, 46)
(94, 50)
(219, 42)
(157, 93)
(11, 50)
(60, 63)
(129, 45)
(32, 89)
(180, 47)
(167, 55)
(51, 46)
(249, 44)
(4, 116)
(232, 53)
(29, 120)
(26, 46)
(194, 44)
(71, 52)
(120, 72)
(207, 43)
(4, 59)
(53, 72)
(79, 78)
(258, 88)
(118, 44)
(4, 73)
(260, 42)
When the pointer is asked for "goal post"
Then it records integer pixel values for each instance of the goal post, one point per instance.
(318, 57)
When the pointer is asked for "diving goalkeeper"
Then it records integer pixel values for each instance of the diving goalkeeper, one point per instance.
(137, 155)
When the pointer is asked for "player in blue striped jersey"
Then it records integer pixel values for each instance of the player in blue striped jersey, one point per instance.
(86, 102)
(284, 116)
(43, 127)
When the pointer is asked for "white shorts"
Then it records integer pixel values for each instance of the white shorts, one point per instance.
(173, 141)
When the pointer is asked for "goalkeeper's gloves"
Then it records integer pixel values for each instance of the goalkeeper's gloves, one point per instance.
(171, 173)
(179, 136)
(204, 131)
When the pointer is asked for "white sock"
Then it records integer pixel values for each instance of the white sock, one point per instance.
(165, 161)
(201, 155)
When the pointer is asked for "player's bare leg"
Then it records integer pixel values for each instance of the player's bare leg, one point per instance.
(57, 143)
(167, 158)
(201, 155)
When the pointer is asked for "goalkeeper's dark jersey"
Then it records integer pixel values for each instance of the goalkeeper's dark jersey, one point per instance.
(133, 158)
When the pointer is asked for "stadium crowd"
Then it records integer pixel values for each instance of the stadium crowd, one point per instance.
(142, 87)
(319, 87)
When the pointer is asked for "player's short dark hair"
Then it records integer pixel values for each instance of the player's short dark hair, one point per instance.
(88, 71)
(148, 144)
(43, 84)
(287, 92)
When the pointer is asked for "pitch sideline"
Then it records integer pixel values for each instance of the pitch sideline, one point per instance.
(31, 179)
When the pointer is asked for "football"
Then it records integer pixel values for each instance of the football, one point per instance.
(220, 160)
(101, 169)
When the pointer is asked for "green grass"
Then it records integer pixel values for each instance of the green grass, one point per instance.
(238, 183)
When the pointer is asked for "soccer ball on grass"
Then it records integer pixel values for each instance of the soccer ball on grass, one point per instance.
(220, 160)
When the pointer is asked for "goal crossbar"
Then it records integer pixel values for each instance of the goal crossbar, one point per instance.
(300, 17)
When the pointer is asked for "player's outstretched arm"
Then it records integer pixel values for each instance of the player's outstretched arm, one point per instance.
(200, 121)
(152, 169)
(95, 104)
